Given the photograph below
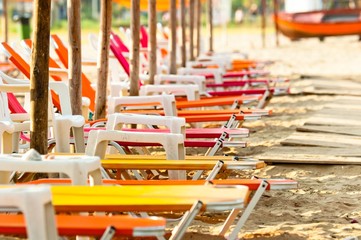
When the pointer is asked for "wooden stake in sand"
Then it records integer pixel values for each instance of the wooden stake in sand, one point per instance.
(275, 13)
(183, 26)
(173, 42)
(191, 29)
(263, 24)
(198, 32)
(39, 77)
(103, 58)
(74, 68)
(5, 21)
(134, 50)
(210, 24)
(152, 22)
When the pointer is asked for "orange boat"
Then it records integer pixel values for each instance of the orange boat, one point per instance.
(336, 22)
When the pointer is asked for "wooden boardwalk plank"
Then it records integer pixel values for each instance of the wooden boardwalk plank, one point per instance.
(322, 140)
(343, 130)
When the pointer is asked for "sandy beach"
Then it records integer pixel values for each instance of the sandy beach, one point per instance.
(327, 203)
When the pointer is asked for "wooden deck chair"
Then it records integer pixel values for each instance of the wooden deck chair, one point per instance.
(38, 220)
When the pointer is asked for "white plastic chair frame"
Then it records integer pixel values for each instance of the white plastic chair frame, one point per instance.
(36, 205)
(172, 143)
(77, 168)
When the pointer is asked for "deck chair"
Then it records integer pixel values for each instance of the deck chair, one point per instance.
(212, 144)
(117, 51)
(253, 185)
(39, 221)
(55, 72)
(149, 198)
(227, 60)
(62, 124)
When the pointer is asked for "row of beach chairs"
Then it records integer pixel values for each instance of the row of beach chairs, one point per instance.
(106, 195)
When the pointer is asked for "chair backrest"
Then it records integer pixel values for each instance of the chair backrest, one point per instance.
(119, 43)
(4, 111)
(144, 37)
(24, 68)
(62, 52)
(119, 56)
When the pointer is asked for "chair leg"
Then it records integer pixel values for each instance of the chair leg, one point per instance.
(6, 143)
(188, 217)
(251, 205)
(78, 133)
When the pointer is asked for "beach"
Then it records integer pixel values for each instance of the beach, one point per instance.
(326, 204)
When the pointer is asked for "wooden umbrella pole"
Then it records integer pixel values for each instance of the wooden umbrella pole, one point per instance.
(183, 25)
(264, 23)
(191, 29)
(198, 20)
(152, 40)
(39, 77)
(275, 13)
(173, 43)
(210, 24)
(134, 50)
(103, 58)
(74, 68)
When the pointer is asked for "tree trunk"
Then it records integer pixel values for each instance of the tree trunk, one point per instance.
(103, 58)
(191, 29)
(183, 26)
(152, 40)
(173, 43)
(74, 67)
(199, 22)
(134, 50)
(210, 24)
(39, 77)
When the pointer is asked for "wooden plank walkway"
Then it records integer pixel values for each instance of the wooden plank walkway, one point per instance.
(329, 87)
(331, 136)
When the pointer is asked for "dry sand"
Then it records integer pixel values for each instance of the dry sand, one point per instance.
(327, 203)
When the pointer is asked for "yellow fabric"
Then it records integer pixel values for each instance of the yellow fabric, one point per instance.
(144, 198)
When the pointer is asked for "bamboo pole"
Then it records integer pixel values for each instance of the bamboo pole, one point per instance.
(183, 26)
(210, 24)
(275, 13)
(173, 43)
(263, 24)
(198, 31)
(74, 68)
(152, 22)
(191, 29)
(103, 58)
(134, 50)
(39, 77)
